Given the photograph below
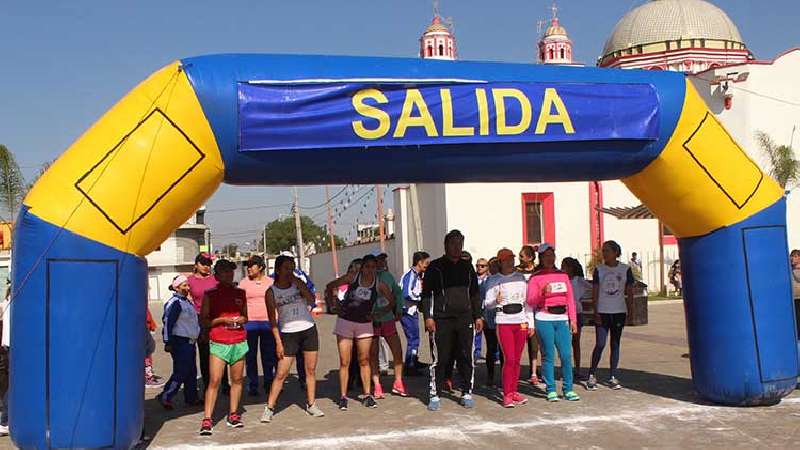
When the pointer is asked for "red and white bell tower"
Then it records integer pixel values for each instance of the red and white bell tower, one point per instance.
(438, 40)
(555, 47)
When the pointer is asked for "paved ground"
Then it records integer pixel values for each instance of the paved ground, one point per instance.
(656, 409)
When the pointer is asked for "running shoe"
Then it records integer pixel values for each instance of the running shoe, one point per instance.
(591, 383)
(571, 396)
(518, 399)
(378, 392)
(448, 385)
(369, 401)
(467, 401)
(434, 404)
(266, 416)
(534, 380)
(552, 397)
(342, 404)
(206, 427)
(314, 411)
(508, 401)
(398, 388)
(613, 383)
(3, 430)
(234, 420)
(166, 404)
(153, 382)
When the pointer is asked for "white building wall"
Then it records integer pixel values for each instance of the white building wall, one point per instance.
(322, 271)
(490, 216)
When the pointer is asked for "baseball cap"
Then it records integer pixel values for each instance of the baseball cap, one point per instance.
(544, 246)
(204, 259)
(504, 254)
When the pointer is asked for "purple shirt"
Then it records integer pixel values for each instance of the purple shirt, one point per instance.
(198, 287)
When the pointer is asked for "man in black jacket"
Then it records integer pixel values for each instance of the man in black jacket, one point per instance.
(453, 312)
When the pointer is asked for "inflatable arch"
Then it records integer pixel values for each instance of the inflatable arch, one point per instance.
(157, 155)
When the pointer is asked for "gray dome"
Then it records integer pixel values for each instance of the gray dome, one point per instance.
(669, 20)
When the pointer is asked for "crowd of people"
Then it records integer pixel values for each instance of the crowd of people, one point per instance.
(510, 302)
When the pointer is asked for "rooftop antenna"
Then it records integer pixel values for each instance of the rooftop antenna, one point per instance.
(435, 8)
(539, 26)
(554, 8)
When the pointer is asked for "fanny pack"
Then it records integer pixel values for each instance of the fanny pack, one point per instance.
(562, 309)
(513, 308)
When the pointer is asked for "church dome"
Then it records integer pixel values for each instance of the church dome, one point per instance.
(671, 20)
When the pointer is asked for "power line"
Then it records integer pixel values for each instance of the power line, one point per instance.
(326, 202)
(249, 208)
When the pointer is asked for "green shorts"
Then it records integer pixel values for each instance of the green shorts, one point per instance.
(230, 353)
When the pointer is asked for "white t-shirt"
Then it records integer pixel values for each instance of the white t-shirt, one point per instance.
(293, 312)
(578, 291)
(506, 290)
(612, 282)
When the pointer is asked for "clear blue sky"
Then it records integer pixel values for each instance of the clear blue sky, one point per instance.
(64, 63)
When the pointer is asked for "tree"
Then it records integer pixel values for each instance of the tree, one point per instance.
(12, 184)
(281, 235)
(42, 170)
(782, 164)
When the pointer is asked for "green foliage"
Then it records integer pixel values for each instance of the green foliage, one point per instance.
(12, 184)
(281, 235)
(783, 165)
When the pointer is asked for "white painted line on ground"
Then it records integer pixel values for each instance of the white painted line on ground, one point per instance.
(464, 431)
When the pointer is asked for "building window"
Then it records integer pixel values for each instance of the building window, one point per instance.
(551, 53)
(639, 49)
(562, 53)
(441, 50)
(703, 43)
(538, 218)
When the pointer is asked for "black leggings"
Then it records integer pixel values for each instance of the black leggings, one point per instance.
(613, 323)
(491, 353)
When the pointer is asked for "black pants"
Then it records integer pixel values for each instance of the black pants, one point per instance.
(492, 352)
(203, 347)
(797, 316)
(453, 340)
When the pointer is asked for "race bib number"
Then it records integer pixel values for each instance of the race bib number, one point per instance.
(558, 287)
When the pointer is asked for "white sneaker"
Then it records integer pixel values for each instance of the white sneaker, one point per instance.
(3, 430)
(266, 417)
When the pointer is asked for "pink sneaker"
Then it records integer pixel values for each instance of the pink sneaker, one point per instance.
(534, 380)
(379, 392)
(398, 388)
(448, 385)
(518, 399)
(508, 401)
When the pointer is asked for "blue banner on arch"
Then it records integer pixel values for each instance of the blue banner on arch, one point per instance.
(316, 115)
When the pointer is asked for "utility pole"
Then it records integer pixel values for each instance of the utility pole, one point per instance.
(299, 231)
(663, 290)
(381, 230)
(415, 215)
(331, 232)
(265, 242)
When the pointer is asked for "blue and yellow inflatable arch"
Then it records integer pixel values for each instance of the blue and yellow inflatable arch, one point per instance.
(157, 155)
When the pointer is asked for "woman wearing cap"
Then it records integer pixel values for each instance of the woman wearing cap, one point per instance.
(550, 294)
(354, 324)
(506, 293)
(224, 313)
(295, 332)
(259, 331)
(181, 329)
(200, 281)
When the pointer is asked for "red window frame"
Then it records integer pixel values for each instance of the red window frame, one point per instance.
(548, 215)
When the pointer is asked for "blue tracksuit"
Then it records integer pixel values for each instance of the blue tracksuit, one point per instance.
(181, 329)
(412, 288)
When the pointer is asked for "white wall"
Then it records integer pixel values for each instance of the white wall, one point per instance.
(490, 216)
(322, 271)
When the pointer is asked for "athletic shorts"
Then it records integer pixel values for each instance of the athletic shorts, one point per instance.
(300, 341)
(353, 330)
(230, 353)
(609, 321)
(385, 329)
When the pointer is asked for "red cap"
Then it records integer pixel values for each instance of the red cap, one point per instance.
(504, 254)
